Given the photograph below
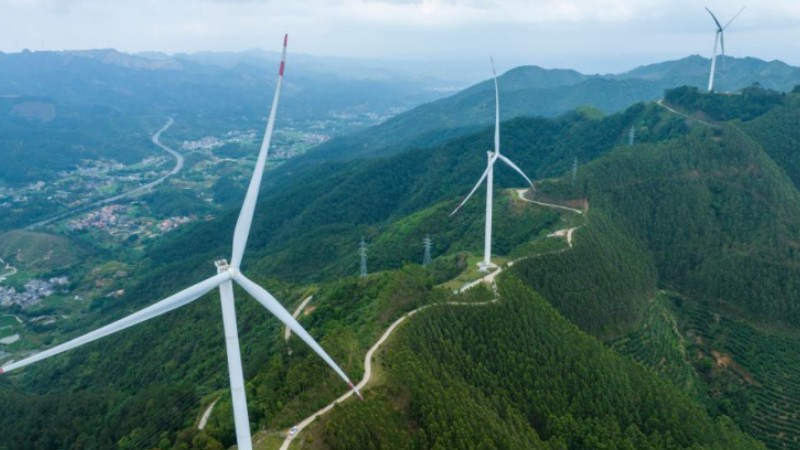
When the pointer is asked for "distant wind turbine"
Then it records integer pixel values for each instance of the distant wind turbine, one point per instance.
(226, 274)
(719, 40)
(488, 175)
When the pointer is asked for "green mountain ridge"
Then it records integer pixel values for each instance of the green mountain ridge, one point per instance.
(533, 91)
(517, 375)
(716, 216)
(723, 197)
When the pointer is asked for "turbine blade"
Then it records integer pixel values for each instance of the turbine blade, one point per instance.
(734, 18)
(514, 166)
(719, 27)
(477, 185)
(269, 302)
(496, 110)
(170, 303)
(242, 230)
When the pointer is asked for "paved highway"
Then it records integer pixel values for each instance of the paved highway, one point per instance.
(144, 188)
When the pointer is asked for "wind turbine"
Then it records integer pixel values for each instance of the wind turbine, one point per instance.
(719, 40)
(227, 273)
(488, 175)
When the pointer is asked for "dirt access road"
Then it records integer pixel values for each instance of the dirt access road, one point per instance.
(488, 278)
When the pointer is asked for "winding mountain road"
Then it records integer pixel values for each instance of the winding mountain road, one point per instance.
(10, 270)
(156, 139)
(287, 332)
(521, 193)
(685, 116)
(488, 278)
(368, 357)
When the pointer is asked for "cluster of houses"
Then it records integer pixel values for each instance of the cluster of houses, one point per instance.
(35, 291)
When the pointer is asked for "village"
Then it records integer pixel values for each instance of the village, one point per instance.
(123, 221)
(35, 291)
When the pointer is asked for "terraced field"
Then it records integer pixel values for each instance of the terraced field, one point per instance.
(773, 389)
(728, 364)
(659, 345)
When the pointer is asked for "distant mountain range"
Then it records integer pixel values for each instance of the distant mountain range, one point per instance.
(192, 85)
(57, 108)
(535, 91)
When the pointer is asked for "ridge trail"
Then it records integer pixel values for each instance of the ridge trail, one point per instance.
(660, 103)
(488, 278)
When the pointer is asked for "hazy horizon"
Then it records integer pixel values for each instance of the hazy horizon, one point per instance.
(592, 36)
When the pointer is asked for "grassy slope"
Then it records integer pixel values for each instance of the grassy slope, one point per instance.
(40, 251)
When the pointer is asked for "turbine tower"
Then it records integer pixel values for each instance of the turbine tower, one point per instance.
(488, 175)
(362, 250)
(227, 273)
(719, 41)
(428, 243)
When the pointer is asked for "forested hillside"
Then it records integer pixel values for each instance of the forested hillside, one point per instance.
(40, 136)
(517, 375)
(715, 212)
(707, 210)
(331, 206)
(533, 91)
(712, 216)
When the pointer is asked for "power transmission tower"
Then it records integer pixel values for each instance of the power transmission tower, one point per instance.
(574, 170)
(362, 250)
(428, 244)
(632, 136)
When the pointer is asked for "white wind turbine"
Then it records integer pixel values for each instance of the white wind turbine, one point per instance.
(719, 40)
(486, 264)
(226, 274)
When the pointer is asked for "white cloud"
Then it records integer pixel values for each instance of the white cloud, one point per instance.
(586, 34)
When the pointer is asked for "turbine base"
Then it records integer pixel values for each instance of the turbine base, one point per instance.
(484, 267)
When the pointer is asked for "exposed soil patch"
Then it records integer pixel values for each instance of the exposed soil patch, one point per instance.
(724, 361)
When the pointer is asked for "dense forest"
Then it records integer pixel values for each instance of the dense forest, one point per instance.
(517, 375)
(715, 213)
(534, 91)
(707, 212)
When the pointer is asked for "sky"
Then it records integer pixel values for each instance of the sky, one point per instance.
(593, 36)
